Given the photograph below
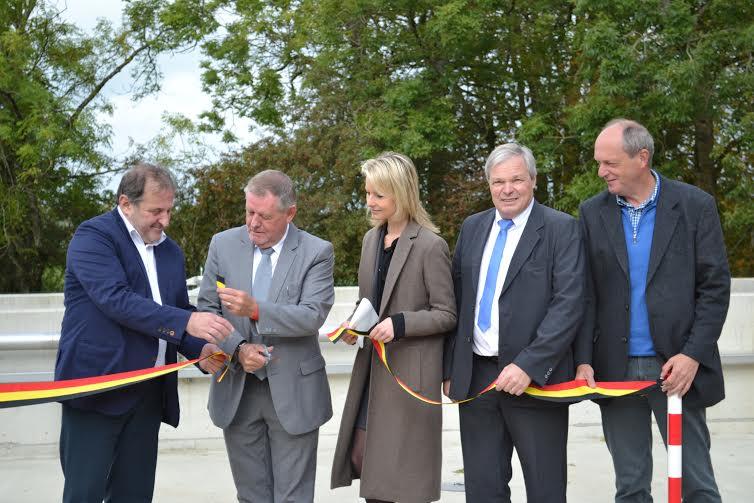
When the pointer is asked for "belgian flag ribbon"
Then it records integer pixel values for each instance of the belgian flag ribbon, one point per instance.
(567, 392)
(30, 393)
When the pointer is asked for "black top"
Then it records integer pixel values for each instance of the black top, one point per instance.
(384, 257)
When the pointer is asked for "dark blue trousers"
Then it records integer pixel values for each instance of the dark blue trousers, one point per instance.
(111, 458)
(496, 423)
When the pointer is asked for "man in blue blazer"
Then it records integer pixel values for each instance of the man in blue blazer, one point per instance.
(518, 274)
(657, 298)
(126, 308)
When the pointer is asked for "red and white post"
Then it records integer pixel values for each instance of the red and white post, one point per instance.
(675, 439)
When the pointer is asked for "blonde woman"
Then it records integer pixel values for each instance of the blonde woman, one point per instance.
(387, 438)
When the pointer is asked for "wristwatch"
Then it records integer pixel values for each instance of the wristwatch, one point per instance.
(238, 348)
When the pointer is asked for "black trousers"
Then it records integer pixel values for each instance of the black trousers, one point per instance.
(496, 423)
(111, 458)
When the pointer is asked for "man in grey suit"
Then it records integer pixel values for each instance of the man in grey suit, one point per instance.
(518, 274)
(278, 289)
(658, 294)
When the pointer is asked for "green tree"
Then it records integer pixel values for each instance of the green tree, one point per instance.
(53, 142)
(321, 164)
(686, 70)
(446, 81)
(443, 82)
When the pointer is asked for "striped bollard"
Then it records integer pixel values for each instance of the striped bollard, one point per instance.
(675, 440)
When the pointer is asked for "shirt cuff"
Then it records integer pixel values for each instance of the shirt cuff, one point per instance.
(399, 326)
(234, 356)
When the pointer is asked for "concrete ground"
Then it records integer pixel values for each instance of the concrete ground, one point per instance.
(198, 470)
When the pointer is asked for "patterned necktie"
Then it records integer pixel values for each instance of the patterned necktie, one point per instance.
(260, 289)
(490, 282)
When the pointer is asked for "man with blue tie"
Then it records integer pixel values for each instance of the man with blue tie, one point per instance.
(518, 273)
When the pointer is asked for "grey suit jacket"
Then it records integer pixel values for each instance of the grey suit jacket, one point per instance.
(541, 304)
(300, 297)
(687, 293)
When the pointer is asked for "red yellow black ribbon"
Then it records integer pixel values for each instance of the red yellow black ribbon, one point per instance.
(336, 334)
(30, 393)
(577, 390)
(567, 392)
(18, 394)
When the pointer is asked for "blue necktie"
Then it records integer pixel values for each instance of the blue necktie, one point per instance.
(485, 305)
(259, 289)
(263, 275)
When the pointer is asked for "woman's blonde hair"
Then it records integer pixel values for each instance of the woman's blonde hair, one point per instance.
(394, 175)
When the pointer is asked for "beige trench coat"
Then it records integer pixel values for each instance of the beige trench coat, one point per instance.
(403, 457)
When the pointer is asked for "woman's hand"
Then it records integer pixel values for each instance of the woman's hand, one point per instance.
(348, 338)
(383, 332)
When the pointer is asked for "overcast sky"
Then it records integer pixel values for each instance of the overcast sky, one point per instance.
(181, 88)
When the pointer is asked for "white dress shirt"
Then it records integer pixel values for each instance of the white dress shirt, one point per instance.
(146, 252)
(486, 343)
(273, 258)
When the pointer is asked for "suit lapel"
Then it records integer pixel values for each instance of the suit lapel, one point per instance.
(245, 255)
(402, 249)
(526, 244)
(375, 243)
(666, 218)
(483, 231)
(131, 247)
(286, 259)
(244, 265)
(613, 224)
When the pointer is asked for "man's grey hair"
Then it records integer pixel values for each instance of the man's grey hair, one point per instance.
(635, 137)
(135, 180)
(277, 183)
(507, 151)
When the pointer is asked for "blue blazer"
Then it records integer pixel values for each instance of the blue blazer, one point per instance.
(111, 324)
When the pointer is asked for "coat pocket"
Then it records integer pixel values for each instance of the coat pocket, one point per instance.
(311, 365)
(292, 294)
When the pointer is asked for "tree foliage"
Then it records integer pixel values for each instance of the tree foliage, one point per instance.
(321, 163)
(685, 69)
(446, 81)
(330, 83)
(53, 142)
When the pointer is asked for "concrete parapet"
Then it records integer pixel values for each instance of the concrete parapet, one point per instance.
(742, 285)
(31, 313)
(43, 313)
(34, 429)
(737, 337)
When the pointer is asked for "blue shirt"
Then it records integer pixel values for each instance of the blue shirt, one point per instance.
(638, 227)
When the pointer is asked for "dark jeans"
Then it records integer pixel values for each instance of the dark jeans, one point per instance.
(111, 458)
(627, 424)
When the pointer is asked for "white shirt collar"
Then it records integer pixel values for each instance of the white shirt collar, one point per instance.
(135, 234)
(519, 219)
(279, 245)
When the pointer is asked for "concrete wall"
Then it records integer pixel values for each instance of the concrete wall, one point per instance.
(34, 429)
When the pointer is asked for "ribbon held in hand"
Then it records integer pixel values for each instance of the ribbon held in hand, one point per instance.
(30, 393)
(567, 392)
